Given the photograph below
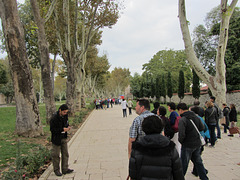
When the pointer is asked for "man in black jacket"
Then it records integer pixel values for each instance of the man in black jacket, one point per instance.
(190, 140)
(59, 127)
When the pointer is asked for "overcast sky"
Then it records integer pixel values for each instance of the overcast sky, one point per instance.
(148, 26)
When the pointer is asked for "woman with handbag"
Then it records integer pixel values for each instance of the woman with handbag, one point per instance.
(211, 119)
(232, 119)
(226, 111)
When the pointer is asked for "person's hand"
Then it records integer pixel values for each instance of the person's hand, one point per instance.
(66, 129)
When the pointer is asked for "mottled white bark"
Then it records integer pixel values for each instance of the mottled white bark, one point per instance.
(28, 122)
(217, 83)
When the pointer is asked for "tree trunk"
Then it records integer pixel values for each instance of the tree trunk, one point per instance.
(217, 83)
(28, 122)
(71, 86)
(45, 63)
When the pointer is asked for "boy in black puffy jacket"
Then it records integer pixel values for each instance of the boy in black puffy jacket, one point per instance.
(154, 156)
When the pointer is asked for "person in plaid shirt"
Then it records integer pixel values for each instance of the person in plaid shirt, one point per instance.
(135, 132)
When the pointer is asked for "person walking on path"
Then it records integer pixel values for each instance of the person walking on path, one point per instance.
(219, 116)
(232, 117)
(211, 121)
(59, 127)
(172, 118)
(226, 111)
(124, 107)
(135, 132)
(154, 156)
(130, 105)
(190, 140)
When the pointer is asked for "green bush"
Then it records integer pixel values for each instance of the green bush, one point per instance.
(28, 165)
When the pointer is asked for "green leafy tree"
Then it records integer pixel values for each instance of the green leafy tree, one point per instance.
(164, 60)
(163, 88)
(157, 88)
(152, 88)
(181, 85)
(135, 84)
(3, 74)
(196, 86)
(169, 86)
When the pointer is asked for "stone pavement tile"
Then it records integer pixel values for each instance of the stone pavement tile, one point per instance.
(96, 177)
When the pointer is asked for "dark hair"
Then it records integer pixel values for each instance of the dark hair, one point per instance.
(156, 105)
(162, 111)
(172, 105)
(196, 102)
(145, 103)
(195, 109)
(182, 106)
(63, 107)
(232, 106)
(152, 125)
(213, 98)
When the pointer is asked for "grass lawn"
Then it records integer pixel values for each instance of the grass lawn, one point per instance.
(10, 143)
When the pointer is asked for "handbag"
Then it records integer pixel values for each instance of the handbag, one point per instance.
(203, 142)
(223, 120)
(234, 130)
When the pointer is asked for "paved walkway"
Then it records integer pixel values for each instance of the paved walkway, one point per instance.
(98, 151)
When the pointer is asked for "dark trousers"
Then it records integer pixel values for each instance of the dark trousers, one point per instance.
(124, 112)
(218, 130)
(193, 154)
(130, 110)
(63, 148)
(212, 134)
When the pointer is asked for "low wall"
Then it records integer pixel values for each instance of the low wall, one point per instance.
(2, 99)
(232, 98)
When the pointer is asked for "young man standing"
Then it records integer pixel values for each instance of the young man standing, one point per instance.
(190, 140)
(59, 127)
(135, 132)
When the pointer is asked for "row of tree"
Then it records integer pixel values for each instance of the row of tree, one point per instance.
(68, 28)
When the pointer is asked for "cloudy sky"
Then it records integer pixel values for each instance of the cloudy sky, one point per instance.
(148, 26)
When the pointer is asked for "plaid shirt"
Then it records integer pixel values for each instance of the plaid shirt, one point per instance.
(136, 128)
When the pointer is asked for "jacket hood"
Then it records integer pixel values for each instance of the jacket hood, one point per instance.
(188, 115)
(154, 144)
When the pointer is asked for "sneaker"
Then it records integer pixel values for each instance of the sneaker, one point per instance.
(57, 173)
(194, 173)
(231, 135)
(68, 171)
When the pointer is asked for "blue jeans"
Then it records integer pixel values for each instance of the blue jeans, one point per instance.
(193, 154)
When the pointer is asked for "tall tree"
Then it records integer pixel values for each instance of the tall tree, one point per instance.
(217, 83)
(169, 86)
(163, 88)
(28, 122)
(76, 24)
(181, 85)
(45, 62)
(196, 86)
(157, 88)
(169, 59)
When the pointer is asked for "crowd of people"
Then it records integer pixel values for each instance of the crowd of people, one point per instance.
(155, 139)
(159, 147)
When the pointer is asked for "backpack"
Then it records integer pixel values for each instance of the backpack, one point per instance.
(175, 126)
